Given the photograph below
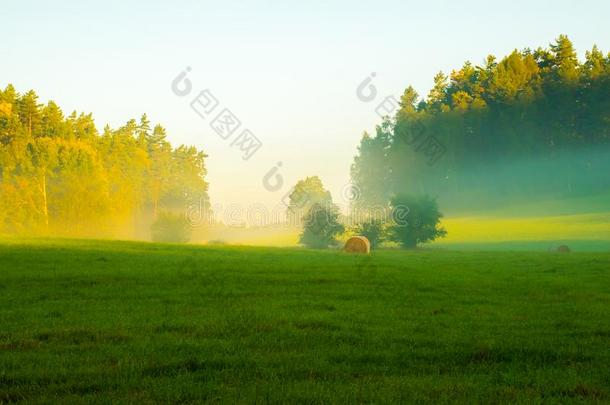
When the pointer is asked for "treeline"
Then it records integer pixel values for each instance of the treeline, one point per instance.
(59, 176)
(535, 123)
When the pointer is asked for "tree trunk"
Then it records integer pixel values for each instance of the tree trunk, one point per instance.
(45, 204)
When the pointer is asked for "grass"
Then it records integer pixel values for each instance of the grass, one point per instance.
(121, 322)
(594, 227)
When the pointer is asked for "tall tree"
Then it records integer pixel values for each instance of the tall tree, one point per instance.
(304, 195)
(29, 112)
(370, 171)
(159, 172)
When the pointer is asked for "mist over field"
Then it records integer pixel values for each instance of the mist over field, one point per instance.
(320, 202)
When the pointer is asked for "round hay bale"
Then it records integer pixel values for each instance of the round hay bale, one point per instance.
(564, 249)
(358, 244)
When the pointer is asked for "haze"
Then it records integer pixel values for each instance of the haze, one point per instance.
(288, 71)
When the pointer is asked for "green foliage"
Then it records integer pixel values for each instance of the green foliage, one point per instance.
(542, 106)
(373, 229)
(416, 220)
(321, 226)
(370, 170)
(173, 228)
(305, 194)
(121, 322)
(59, 176)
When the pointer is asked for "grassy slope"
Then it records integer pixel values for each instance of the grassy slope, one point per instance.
(537, 225)
(91, 321)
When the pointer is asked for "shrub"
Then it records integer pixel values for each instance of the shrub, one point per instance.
(373, 230)
(171, 228)
(415, 220)
(320, 227)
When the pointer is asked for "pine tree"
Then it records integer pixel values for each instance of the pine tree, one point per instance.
(565, 60)
(436, 97)
(29, 112)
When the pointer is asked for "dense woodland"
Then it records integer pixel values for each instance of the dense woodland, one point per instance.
(535, 124)
(58, 175)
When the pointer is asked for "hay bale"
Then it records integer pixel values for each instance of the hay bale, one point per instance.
(564, 249)
(358, 244)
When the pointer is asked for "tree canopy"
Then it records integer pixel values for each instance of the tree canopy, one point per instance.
(58, 175)
(536, 122)
(305, 194)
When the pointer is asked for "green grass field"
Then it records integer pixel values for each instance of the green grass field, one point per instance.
(91, 321)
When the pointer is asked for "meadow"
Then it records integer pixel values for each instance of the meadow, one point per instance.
(129, 322)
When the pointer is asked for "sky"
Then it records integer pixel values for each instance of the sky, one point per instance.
(287, 70)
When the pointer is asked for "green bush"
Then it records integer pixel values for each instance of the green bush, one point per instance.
(320, 227)
(373, 230)
(415, 220)
(171, 228)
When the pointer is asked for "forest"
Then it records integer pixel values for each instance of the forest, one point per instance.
(534, 125)
(60, 176)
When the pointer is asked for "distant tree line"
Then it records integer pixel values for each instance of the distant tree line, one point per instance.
(536, 122)
(58, 175)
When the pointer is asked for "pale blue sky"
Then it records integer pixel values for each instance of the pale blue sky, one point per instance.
(288, 70)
